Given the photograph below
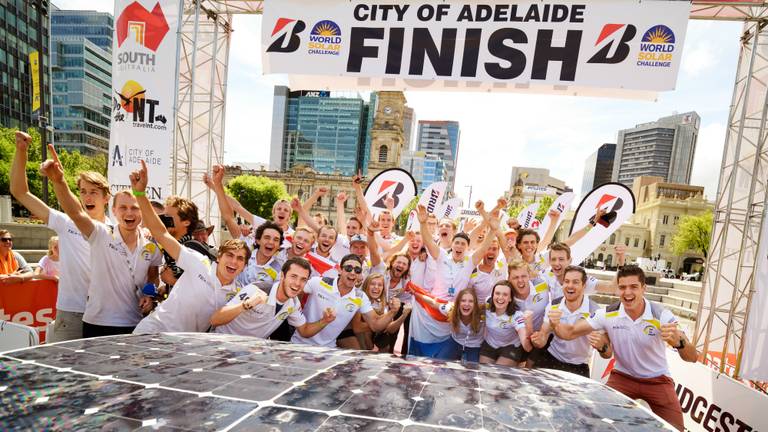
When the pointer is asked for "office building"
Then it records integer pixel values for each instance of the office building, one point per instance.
(530, 184)
(663, 148)
(598, 168)
(19, 27)
(408, 122)
(313, 129)
(81, 53)
(441, 138)
(425, 168)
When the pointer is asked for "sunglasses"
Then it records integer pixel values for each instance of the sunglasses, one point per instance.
(6, 240)
(352, 268)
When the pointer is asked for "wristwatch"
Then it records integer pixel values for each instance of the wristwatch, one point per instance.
(681, 345)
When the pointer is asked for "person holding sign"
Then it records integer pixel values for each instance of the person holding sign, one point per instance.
(639, 331)
(206, 283)
(253, 313)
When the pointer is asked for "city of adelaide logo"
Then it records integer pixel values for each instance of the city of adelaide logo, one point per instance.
(286, 35)
(147, 28)
(656, 47)
(140, 109)
(325, 38)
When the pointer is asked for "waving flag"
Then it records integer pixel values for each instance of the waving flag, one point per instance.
(431, 310)
(320, 264)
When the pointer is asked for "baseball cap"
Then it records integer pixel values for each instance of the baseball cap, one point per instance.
(358, 238)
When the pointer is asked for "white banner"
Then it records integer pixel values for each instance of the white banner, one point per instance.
(561, 204)
(562, 47)
(754, 360)
(710, 401)
(433, 195)
(619, 204)
(144, 75)
(394, 182)
(450, 209)
(527, 216)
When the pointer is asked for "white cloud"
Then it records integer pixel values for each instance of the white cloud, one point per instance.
(709, 154)
(698, 60)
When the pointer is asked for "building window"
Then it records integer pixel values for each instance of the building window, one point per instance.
(675, 220)
(613, 238)
(626, 241)
(637, 241)
(662, 240)
(383, 154)
(665, 220)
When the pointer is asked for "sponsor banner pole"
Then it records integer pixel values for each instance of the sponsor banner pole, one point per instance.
(450, 209)
(561, 204)
(31, 303)
(433, 196)
(527, 216)
(754, 360)
(143, 92)
(395, 182)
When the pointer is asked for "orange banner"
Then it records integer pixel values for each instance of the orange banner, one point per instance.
(30, 303)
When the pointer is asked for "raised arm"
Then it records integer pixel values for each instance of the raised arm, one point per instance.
(429, 242)
(216, 183)
(357, 184)
(149, 218)
(310, 329)
(570, 241)
(67, 200)
(19, 184)
(493, 223)
(341, 219)
(398, 246)
(304, 215)
(316, 194)
(373, 245)
(554, 216)
(236, 207)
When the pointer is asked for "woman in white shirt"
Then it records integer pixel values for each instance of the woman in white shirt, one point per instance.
(373, 287)
(505, 333)
(465, 315)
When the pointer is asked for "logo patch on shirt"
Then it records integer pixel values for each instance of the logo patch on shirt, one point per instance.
(650, 330)
(326, 286)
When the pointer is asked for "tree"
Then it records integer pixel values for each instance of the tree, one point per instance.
(402, 219)
(693, 234)
(544, 204)
(257, 193)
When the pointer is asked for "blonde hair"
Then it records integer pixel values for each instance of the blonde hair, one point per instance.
(95, 179)
(382, 297)
(517, 264)
(126, 192)
(52, 241)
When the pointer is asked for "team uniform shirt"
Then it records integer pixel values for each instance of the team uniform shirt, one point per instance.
(324, 293)
(196, 296)
(536, 302)
(576, 351)
(637, 345)
(483, 282)
(540, 262)
(74, 263)
(49, 266)
(264, 318)
(556, 289)
(501, 330)
(258, 221)
(465, 336)
(451, 276)
(398, 290)
(423, 328)
(422, 273)
(388, 241)
(340, 248)
(263, 276)
(117, 276)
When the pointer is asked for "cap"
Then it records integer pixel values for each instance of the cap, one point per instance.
(358, 238)
(201, 227)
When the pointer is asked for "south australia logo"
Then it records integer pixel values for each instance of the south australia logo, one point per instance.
(657, 47)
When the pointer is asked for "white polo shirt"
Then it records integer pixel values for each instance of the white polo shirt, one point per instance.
(263, 276)
(451, 276)
(501, 330)
(637, 344)
(576, 351)
(540, 262)
(556, 289)
(74, 263)
(537, 301)
(422, 273)
(196, 296)
(341, 248)
(465, 336)
(264, 318)
(483, 282)
(117, 277)
(325, 294)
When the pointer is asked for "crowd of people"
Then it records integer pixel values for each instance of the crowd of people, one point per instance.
(490, 293)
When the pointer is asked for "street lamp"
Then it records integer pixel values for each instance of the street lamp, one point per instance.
(469, 200)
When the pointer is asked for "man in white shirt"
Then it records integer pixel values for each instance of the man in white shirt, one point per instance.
(74, 248)
(253, 313)
(490, 270)
(341, 295)
(122, 260)
(639, 332)
(559, 258)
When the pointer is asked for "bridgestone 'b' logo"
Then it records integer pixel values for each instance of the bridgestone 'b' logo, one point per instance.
(621, 50)
(288, 39)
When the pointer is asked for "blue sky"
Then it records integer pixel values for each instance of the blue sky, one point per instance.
(499, 131)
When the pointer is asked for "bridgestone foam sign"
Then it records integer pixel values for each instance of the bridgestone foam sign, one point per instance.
(143, 92)
(595, 44)
(395, 182)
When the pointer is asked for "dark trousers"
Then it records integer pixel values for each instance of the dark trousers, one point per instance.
(94, 330)
(546, 360)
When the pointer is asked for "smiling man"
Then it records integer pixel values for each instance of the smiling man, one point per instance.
(639, 331)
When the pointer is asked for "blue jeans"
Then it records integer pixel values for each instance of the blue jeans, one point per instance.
(465, 354)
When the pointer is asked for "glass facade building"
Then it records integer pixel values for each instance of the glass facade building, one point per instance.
(425, 168)
(441, 138)
(81, 46)
(598, 168)
(19, 26)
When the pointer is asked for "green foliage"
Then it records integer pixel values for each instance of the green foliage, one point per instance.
(402, 219)
(544, 204)
(693, 233)
(257, 194)
(73, 162)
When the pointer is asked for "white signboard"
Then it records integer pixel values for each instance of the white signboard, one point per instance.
(143, 92)
(754, 361)
(601, 44)
(396, 183)
(619, 205)
(561, 204)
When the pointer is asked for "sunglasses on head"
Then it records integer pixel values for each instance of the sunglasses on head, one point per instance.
(6, 239)
(353, 268)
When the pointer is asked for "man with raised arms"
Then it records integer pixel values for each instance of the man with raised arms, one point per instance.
(204, 286)
(341, 295)
(253, 313)
(122, 260)
(639, 331)
(74, 248)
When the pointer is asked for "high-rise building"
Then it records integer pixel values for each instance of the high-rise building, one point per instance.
(81, 53)
(663, 148)
(408, 119)
(20, 25)
(532, 184)
(425, 168)
(441, 138)
(312, 128)
(598, 168)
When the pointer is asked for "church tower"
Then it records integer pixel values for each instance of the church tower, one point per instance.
(387, 133)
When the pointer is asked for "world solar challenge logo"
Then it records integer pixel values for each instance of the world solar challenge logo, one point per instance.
(325, 38)
(656, 47)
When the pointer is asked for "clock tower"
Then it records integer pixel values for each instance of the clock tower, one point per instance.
(387, 137)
